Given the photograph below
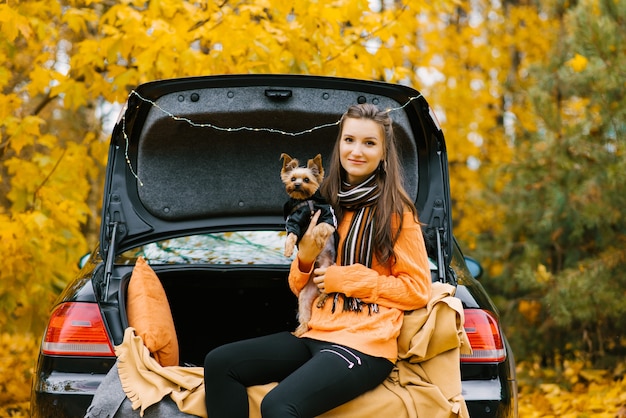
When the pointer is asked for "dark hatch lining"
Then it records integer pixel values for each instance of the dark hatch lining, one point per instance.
(189, 171)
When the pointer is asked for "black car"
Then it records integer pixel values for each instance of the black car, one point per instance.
(193, 186)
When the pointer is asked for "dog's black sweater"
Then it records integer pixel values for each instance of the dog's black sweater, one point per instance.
(298, 214)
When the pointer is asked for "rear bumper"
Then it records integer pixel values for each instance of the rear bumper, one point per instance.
(489, 389)
(490, 398)
(54, 405)
(63, 395)
(69, 395)
(64, 386)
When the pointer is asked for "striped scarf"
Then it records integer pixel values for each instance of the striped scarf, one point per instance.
(357, 246)
(358, 243)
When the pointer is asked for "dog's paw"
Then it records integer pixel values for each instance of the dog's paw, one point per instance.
(290, 244)
(322, 232)
(302, 328)
(322, 300)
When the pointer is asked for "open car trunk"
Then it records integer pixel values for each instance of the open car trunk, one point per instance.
(212, 307)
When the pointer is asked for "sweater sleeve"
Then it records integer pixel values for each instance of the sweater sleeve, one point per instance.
(298, 278)
(405, 285)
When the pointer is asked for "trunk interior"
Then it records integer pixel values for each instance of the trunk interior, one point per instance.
(214, 307)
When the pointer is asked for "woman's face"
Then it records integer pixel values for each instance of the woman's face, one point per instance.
(361, 148)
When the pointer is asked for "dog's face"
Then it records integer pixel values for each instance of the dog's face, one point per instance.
(301, 182)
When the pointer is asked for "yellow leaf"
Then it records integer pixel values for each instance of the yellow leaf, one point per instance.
(578, 63)
(542, 275)
(8, 104)
(77, 19)
(74, 93)
(40, 80)
(127, 78)
(25, 133)
(594, 375)
(530, 309)
(12, 23)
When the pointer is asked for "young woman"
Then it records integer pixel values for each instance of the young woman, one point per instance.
(382, 270)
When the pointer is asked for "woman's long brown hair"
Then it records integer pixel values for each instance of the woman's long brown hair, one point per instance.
(393, 200)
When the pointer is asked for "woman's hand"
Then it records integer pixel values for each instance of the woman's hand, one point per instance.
(308, 249)
(319, 277)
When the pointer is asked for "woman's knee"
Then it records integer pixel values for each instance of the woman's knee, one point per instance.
(217, 359)
(273, 407)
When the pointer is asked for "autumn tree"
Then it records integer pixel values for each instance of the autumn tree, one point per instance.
(475, 63)
(50, 160)
(63, 61)
(562, 244)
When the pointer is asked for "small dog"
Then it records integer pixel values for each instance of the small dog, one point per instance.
(302, 184)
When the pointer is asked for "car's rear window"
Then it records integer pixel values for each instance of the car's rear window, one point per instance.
(225, 248)
(222, 248)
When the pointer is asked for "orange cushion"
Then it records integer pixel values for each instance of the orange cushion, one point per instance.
(149, 313)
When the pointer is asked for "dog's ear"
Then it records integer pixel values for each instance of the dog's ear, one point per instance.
(315, 165)
(288, 162)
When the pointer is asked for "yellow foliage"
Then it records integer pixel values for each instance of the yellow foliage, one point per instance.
(530, 310)
(74, 94)
(12, 23)
(78, 19)
(23, 133)
(17, 360)
(578, 63)
(542, 275)
(579, 393)
(39, 80)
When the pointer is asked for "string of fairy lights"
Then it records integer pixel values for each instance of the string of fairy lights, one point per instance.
(230, 129)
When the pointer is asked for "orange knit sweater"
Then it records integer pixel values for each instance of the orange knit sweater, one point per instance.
(404, 286)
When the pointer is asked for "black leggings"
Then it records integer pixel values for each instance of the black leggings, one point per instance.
(314, 376)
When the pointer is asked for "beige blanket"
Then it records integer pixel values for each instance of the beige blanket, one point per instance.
(426, 379)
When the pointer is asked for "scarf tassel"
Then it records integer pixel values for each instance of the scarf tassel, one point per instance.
(350, 304)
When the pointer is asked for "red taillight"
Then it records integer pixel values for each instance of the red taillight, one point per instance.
(77, 329)
(483, 332)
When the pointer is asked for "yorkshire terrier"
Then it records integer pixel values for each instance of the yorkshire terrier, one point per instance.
(302, 185)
